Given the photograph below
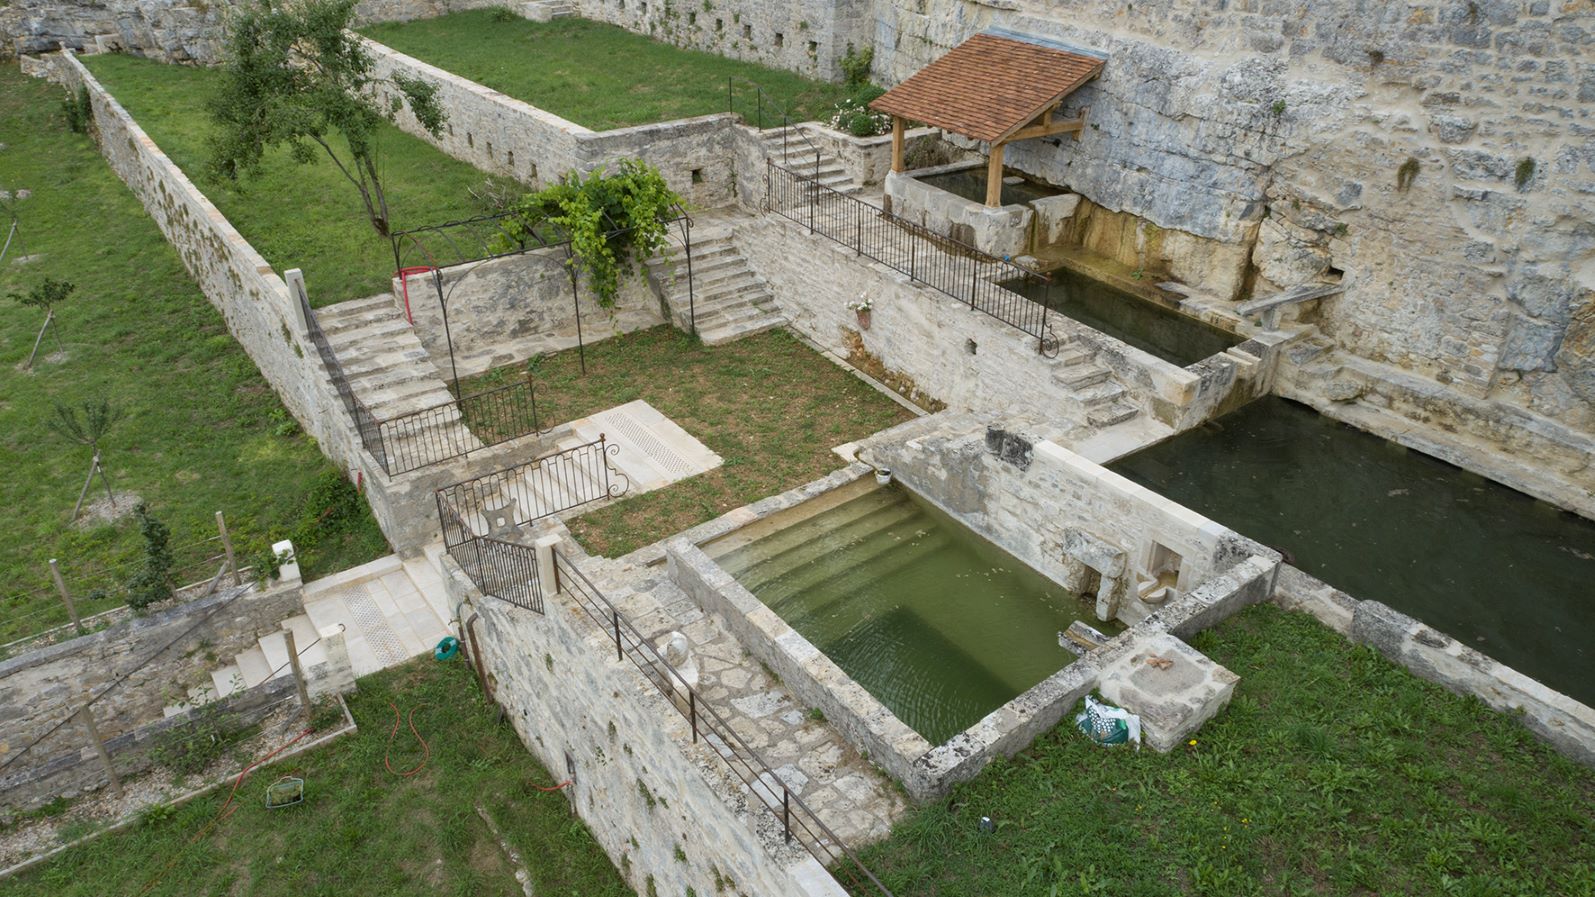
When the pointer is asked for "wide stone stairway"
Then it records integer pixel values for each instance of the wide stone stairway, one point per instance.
(729, 301)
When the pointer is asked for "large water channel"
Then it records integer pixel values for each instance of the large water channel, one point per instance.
(1509, 575)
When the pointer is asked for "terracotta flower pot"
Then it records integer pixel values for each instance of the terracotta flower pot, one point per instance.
(863, 319)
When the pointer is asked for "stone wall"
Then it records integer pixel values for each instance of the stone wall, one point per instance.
(501, 134)
(1279, 133)
(160, 655)
(934, 349)
(644, 789)
(805, 36)
(507, 310)
(1566, 724)
(168, 30)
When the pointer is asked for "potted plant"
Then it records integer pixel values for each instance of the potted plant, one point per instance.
(862, 309)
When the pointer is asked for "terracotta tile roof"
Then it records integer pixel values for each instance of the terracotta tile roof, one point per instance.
(989, 86)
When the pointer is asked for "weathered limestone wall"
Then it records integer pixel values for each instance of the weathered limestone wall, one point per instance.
(1566, 724)
(42, 687)
(501, 134)
(168, 30)
(641, 785)
(507, 310)
(1288, 125)
(805, 36)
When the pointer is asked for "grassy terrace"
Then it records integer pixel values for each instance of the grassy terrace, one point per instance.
(362, 829)
(594, 74)
(1331, 772)
(203, 431)
(298, 216)
(769, 405)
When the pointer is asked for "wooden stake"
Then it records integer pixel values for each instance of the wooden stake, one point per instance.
(227, 545)
(299, 672)
(48, 317)
(66, 597)
(86, 717)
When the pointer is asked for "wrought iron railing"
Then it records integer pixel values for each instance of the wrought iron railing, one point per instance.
(433, 435)
(798, 822)
(949, 266)
(474, 514)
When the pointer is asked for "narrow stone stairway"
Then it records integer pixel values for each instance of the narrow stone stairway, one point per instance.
(386, 365)
(266, 659)
(1105, 400)
(790, 149)
(730, 301)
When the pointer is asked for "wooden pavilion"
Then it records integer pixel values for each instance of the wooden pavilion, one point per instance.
(993, 88)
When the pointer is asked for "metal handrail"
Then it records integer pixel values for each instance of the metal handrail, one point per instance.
(410, 441)
(797, 819)
(952, 267)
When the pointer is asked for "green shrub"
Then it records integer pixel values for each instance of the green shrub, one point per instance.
(79, 112)
(208, 737)
(856, 65)
(153, 581)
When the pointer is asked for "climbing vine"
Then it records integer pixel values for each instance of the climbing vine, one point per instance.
(614, 222)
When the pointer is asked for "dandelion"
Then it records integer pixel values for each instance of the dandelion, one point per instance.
(1192, 742)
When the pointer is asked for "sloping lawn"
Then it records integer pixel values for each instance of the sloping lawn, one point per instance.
(600, 75)
(362, 829)
(203, 431)
(1332, 771)
(304, 216)
(769, 405)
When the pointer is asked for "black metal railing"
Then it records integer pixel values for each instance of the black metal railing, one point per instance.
(365, 423)
(475, 513)
(798, 822)
(452, 429)
(949, 266)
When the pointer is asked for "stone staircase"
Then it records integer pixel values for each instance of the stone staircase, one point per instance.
(545, 10)
(799, 156)
(266, 659)
(730, 300)
(1091, 383)
(385, 363)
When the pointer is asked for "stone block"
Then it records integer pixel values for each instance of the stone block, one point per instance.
(1173, 688)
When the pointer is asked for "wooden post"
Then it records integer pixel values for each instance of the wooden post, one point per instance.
(897, 143)
(227, 546)
(994, 177)
(86, 717)
(299, 672)
(66, 597)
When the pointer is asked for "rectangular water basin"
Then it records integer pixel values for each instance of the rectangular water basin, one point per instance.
(1174, 337)
(1506, 574)
(939, 625)
(970, 184)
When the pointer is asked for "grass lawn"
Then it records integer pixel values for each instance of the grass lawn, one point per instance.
(297, 216)
(769, 405)
(1331, 772)
(598, 75)
(361, 829)
(203, 431)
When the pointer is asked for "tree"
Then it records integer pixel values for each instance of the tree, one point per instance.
(153, 581)
(46, 295)
(295, 76)
(88, 429)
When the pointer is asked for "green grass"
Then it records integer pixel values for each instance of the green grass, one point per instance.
(203, 430)
(769, 405)
(1332, 771)
(599, 75)
(305, 216)
(362, 829)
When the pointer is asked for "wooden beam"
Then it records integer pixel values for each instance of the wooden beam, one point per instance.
(1068, 126)
(897, 143)
(994, 176)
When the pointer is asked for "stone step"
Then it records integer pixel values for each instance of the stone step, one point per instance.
(1116, 412)
(275, 646)
(719, 336)
(1082, 375)
(1070, 355)
(253, 665)
(360, 329)
(1100, 394)
(227, 680)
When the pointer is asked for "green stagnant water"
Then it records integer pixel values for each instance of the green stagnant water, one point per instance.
(938, 624)
(1509, 575)
(1174, 337)
(970, 183)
